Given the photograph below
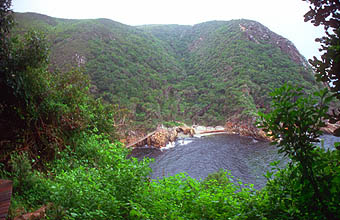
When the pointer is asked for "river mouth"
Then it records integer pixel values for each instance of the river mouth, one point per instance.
(247, 159)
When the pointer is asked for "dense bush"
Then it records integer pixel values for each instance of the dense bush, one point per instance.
(57, 146)
(182, 197)
(310, 190)
(95, 180)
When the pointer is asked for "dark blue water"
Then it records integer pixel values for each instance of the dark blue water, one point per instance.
(247, 159)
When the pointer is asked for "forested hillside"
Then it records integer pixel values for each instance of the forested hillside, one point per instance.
(206, 73)
(231, 67)
(60, 151)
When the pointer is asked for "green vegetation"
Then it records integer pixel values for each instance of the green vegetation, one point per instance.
(295, 124)
(228, 75)
(58, 142)
(206, 73)
(326, 13)
(127, 66)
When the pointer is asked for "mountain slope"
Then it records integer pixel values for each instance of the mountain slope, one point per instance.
(204, 73)
(233, 66)
(127, 66)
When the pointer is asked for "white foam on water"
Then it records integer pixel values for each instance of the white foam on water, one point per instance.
(254, 140)
(184, 142)
(180, 142)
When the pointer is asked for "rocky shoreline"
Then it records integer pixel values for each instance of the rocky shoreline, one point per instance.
(162, 136)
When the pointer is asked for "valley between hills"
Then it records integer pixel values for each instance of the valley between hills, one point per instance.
(213, 73)
(75, 94)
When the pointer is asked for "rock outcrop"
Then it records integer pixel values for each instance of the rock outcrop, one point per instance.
(256, 32)
(246, 129)
(161, 137)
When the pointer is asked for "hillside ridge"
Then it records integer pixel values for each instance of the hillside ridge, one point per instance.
(206, 73)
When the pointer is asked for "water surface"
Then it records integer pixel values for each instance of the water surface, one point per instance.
(246, 158)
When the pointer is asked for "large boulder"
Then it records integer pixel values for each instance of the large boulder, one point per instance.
(173, 134)
(162, 137)
(245, 128)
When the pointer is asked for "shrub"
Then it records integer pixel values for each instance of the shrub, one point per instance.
(100, 181)
(312, 185)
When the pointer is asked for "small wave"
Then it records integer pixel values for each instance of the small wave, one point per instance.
(184, 142)
(180, 142)
(170, 145)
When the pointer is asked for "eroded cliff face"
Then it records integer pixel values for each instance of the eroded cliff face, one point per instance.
(258, 33)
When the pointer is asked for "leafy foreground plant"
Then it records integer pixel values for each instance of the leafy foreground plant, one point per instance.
(96, 181)
(182, 197)
(310, 187)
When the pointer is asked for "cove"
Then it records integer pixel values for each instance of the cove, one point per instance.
(247, 159)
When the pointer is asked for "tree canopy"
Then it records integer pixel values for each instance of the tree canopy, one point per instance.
(327, 14)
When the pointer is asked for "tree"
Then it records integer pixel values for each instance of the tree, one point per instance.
(327, 13)
(294, 123)
(6, 22)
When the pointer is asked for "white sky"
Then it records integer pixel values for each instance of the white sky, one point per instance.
(284, 17)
